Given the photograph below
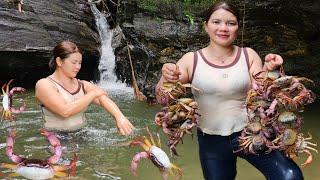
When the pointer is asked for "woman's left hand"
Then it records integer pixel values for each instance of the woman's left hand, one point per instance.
(124, 125)
(272, 61)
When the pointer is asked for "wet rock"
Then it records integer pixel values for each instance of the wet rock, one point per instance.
(28, 38)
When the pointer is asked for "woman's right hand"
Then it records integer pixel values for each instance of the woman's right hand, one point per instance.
(170, 72)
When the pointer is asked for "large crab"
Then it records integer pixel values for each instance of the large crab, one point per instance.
(172, 91)
(35, 168)
(153, 152)
(7, 108)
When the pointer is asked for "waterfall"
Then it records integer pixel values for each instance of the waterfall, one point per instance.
(108, 78)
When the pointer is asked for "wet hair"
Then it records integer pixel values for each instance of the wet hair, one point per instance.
(63, 50)
(222, 5)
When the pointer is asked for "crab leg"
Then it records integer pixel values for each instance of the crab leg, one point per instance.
(310, 143)
(150, 135)
(159, 141)
(141, 142)
(135, 161)
(309, 159)
(311, 148)
(175, 168)
(8, 85)
(8, 166)
(9, 149)
(3, 91)
(23, 106)
(54, 141)
(72, 166)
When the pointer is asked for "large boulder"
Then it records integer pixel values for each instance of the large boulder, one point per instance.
(27, 38)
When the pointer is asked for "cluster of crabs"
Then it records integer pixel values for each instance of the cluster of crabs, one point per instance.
(274, 120)
(30, 168)
(179, 114)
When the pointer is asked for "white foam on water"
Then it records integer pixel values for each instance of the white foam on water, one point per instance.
(102, 136)
(108, 79)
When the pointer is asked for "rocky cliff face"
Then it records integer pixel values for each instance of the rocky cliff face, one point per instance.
(289, 28)
(27, 38)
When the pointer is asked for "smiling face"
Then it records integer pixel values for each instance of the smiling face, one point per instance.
(222, 27)
(71, 65)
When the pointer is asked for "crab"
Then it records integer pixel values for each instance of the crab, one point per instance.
(7, 108)
(157, 156)
(252, 143)
(172, 91)
(295, 143)
(286, 83)
(287, 120)
(36, 168)
(178, 119)
(177, 135)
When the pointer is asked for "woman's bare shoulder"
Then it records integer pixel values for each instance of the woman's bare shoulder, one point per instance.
(187, 59)
(44, 84)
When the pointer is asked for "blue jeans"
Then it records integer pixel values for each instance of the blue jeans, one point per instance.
(218, 159)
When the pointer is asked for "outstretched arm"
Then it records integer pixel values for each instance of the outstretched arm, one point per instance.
(123, 124)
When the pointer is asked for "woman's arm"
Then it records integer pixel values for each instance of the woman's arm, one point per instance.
(47, 94)
(123, 124)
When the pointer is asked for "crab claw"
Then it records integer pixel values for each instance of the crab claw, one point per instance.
(9, 149)
(55, 142)
(72, 165)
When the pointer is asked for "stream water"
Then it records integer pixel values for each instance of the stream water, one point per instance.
(102, 151)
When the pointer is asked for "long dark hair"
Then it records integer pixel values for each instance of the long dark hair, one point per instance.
(222, 5)
(63, 50)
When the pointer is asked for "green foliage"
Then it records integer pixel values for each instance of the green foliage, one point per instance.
(190, 17)
(151, 4)
(188, 8)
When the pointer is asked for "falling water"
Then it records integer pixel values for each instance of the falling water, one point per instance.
(108, 79)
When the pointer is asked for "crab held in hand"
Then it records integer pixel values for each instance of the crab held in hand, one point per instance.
(8, 109)
(35, 168)
(158, 157)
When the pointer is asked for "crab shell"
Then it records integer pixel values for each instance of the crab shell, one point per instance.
(258, 143)
(6, 102)
(289, 137)
(287, 117)
(273, 75)
(35, 169)
(159, 157)
(283, 81)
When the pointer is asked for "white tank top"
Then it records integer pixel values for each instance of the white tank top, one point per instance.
(223, 90)
(54, 122)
